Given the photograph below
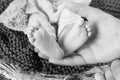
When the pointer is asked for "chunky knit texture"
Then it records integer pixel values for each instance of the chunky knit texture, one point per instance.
(110, 6)
(16, 49)
(4, 4)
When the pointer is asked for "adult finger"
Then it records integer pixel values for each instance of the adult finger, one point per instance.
(71, 61)
(115, 66)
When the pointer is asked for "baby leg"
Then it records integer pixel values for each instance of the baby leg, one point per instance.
(74, 37)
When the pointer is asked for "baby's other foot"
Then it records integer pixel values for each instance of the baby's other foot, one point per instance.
(73, 37)
(46, 44)
(40, 54)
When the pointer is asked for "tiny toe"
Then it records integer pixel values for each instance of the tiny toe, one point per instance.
(88, 29)
(32, 34)
(89, 34)
(31, 38)
(86, 25)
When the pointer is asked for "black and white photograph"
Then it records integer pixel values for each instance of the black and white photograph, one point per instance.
(59, 39)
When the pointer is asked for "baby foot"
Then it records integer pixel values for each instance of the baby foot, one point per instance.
(45, 43)
(72, 32)
(74, 36)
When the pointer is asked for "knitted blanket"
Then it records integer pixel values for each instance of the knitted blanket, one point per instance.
(19, 61)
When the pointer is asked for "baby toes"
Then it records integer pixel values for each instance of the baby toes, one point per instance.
(46, 44)
(31, 35)
(88, 28)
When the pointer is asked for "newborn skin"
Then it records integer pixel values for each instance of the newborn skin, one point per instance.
(73, 31)
(41, 34)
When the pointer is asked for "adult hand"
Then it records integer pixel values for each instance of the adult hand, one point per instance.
(104, 44)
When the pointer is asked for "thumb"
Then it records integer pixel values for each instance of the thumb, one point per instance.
(85, 11)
